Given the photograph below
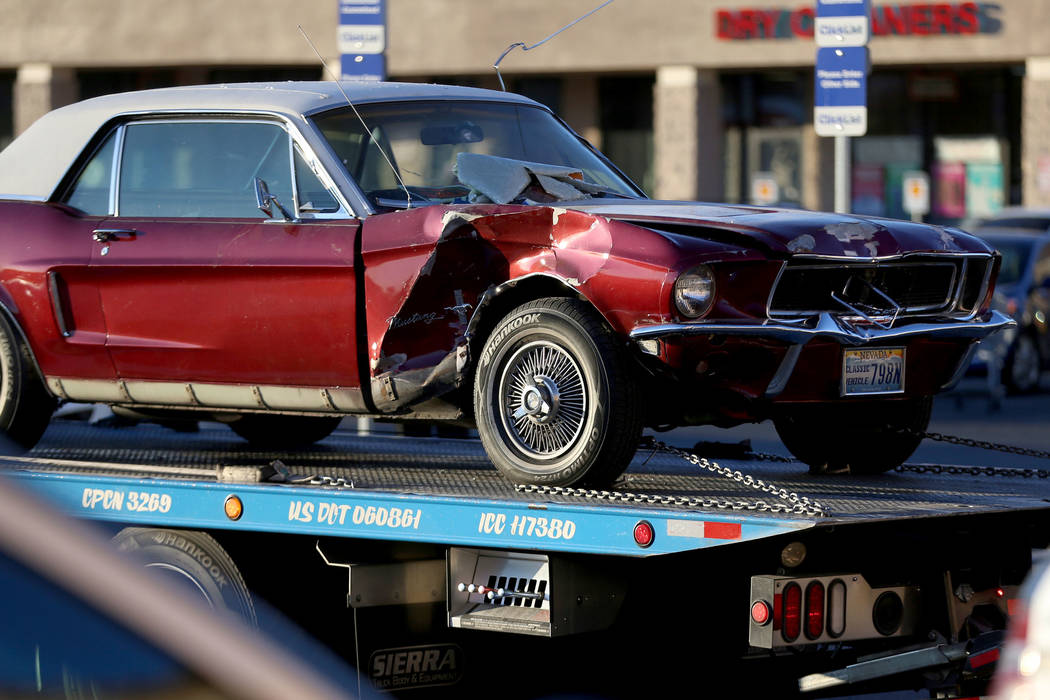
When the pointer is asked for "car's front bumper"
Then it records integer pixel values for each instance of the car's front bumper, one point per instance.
(828, 326)
(801, 361)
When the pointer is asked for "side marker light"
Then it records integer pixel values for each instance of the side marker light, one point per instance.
(644, 534)
(233, 507)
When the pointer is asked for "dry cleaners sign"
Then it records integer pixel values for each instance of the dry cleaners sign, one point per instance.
(906, 19)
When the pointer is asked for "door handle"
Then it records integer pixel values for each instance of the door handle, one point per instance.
(105, 235)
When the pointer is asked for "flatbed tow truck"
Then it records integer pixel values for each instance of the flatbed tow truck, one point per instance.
(424, 568)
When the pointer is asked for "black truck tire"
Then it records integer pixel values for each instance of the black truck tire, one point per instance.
(194, 561)
(554, 398)
(25, 405)
(862, 438)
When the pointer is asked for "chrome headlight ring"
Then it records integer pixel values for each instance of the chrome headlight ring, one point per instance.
(694, 291)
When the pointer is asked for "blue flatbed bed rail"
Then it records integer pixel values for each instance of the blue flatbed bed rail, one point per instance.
(445, 491)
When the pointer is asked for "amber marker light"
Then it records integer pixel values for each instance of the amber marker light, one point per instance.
(233, 507)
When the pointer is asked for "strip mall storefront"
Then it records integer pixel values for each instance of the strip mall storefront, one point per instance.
(959, 123)
(696, 99)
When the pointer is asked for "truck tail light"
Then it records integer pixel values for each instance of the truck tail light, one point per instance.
(814, 609)
(792, 625)
(887, 613)
(830, 608)
(760, 612)
(836, 608)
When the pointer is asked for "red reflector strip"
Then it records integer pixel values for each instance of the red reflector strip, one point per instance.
(984, 658)
(1012, 606)
(722, 531)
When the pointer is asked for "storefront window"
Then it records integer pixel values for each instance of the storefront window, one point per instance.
(627, 125)
(961, 127)
(765, 114)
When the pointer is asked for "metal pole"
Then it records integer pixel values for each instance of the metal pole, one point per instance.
(842, 175)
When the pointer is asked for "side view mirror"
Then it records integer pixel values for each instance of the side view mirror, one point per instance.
(266, 201)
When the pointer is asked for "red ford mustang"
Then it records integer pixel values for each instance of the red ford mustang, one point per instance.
(265, 255)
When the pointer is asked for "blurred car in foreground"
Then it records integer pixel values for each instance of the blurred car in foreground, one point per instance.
(1024, 668)
(1022, 292)
(82, 621)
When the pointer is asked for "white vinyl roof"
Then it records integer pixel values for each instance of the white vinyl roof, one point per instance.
(32, 166)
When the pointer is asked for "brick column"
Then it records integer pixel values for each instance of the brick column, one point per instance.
(40, 88)
(1035, 138)
(688, 134)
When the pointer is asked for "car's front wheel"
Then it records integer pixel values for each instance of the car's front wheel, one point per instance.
(859, 438)
(554, 398)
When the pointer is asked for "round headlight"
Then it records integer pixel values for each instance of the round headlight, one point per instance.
(694, 292)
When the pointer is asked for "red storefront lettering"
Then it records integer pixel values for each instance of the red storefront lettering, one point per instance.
(969, 19)
(802, 22)
(921, 19)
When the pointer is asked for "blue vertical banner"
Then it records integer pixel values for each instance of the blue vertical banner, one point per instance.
(841, 91)
(842, 23)
(841, 73)
(362, 39)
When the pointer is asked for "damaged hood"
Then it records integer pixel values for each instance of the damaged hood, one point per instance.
(790, 231)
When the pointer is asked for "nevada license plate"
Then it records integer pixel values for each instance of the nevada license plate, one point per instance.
(873, 371)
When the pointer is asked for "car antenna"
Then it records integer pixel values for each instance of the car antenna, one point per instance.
(371, 136)
(526, 47)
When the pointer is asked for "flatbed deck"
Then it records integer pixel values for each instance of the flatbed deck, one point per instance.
(450, 492)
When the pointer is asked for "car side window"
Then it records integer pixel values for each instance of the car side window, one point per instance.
(91, 191)
(314, 197)
(202, 169)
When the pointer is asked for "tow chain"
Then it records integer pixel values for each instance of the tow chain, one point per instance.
(792, 502)
(984, 444)
(1026, 473)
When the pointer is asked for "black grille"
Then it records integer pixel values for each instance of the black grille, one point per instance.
(915, 287)
(519, 585)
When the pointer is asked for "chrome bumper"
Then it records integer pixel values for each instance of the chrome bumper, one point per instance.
(827, 326)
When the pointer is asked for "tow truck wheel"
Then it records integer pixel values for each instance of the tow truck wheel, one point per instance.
(25, 406)
(283, 432)
(194, 561)
(554, 398)
(862, 438)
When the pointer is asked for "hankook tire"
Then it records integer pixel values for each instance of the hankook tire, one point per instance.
(554, 398)
(194, 561)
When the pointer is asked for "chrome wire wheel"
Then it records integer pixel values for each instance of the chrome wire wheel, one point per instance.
(554, 399)
(543, 400)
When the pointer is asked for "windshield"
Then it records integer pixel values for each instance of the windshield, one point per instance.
(427, 143)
